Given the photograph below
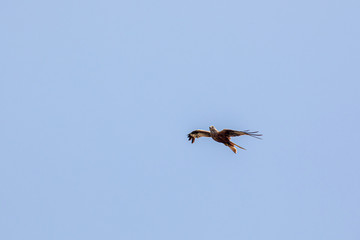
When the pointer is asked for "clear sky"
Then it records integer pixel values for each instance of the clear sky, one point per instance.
(97, 98)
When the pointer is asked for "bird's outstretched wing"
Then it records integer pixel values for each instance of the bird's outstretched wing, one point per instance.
(197, 134)
(233, 133)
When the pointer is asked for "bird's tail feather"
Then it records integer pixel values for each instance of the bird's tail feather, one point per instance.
(238, 146)
(233, 149)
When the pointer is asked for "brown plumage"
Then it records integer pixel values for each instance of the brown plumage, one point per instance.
(222, 136)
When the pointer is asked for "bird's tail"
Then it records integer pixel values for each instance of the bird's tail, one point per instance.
(231, 146)
(233, 149)
(238, 146)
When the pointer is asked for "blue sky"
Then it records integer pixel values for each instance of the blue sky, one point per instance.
(97, 98)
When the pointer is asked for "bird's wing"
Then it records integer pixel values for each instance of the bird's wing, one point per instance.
(197, 134)
(233, 133)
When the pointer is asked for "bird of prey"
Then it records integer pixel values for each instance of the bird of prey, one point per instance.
(222, 136)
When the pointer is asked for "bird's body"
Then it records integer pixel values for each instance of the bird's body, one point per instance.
(222, 136)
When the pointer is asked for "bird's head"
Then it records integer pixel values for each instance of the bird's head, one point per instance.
(212, 129)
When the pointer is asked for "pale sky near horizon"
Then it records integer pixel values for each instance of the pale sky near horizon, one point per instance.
(97, 98)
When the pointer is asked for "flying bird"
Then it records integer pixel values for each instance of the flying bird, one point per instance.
(222, 136)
